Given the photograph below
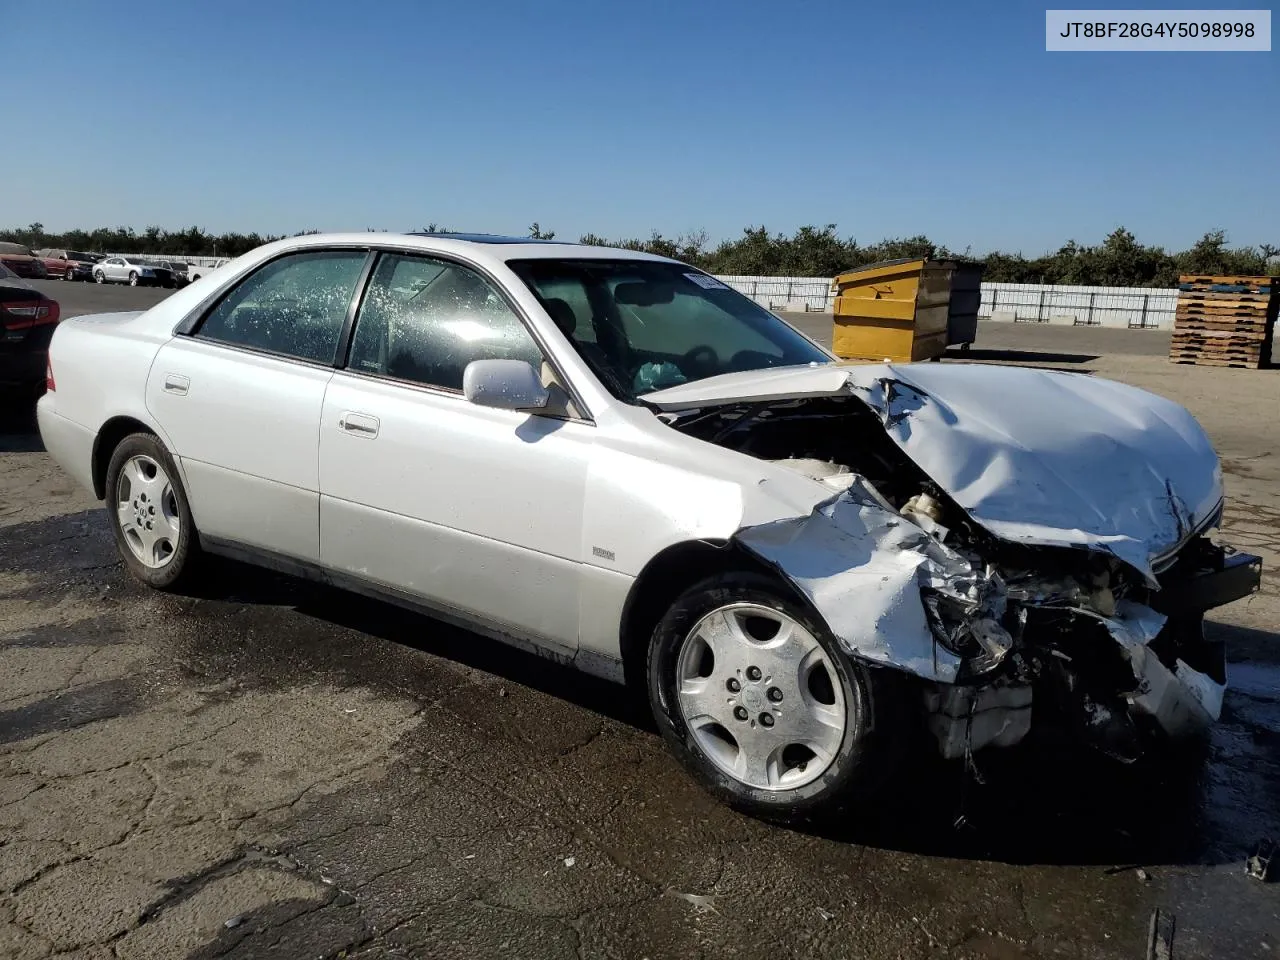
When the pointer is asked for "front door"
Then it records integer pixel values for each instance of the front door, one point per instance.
(468, 508)
(240, 399)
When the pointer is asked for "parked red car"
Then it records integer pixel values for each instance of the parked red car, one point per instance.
(27, 320)
(68, 264)
(21, 260)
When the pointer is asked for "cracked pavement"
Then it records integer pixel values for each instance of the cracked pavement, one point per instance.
(266, 768)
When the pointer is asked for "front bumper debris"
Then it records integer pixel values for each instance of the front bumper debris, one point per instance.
(1119, 660)
(1173, 680)
(967, 718)
(1233, 577)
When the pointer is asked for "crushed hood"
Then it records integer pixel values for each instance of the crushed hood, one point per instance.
(1035, 456)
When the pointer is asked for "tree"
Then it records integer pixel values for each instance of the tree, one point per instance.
(1210, 255)
(813, 251)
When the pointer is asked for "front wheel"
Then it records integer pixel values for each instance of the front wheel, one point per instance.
(133, 278)
(99, 277)
(149, 513)
(70, 274)
(755, 698)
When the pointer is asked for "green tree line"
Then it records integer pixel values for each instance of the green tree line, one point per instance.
(1119, 260)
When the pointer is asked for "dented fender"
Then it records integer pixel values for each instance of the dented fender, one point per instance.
(863, 567)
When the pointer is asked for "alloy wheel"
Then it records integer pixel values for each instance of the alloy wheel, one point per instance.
(147, 511)
(760, 696)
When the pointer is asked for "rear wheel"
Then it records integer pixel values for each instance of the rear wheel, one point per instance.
(149, 513)
(754, 696)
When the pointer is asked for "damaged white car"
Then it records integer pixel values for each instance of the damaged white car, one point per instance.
(617, 461)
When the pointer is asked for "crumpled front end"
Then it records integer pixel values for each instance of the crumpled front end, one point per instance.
(1043, 557)
(1088, 651)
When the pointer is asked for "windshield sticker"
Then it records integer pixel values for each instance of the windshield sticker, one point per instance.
(705, 282)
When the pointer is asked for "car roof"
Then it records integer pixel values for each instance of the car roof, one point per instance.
(482, 237)
(484, 248)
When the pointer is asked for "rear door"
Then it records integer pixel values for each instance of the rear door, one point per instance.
(240, 398)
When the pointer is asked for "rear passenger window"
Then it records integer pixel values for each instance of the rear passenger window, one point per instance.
(424, 320)
(293, 306)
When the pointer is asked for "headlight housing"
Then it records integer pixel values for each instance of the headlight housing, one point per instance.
(972, 631)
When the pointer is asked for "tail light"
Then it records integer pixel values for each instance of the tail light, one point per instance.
(24, 316)
(49, 385)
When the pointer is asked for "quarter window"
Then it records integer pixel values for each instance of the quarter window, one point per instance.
(424, 320)
(293, 306)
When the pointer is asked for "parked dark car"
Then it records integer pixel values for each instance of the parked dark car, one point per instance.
(177, 271)
(20, 259)
(27, 320)
(68, 264)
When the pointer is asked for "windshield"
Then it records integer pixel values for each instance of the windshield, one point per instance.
(645, 325)
(76, 255)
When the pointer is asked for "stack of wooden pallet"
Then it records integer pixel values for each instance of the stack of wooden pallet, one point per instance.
(1225, 321)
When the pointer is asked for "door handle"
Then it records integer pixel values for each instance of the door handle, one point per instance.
(177, 384)
(359, 424)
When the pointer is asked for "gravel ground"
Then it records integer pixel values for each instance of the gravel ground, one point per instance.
(264, 768)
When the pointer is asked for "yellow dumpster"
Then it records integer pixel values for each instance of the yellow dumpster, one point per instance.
(894, 310)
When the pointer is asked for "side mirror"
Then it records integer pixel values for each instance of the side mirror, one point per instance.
(505, 384)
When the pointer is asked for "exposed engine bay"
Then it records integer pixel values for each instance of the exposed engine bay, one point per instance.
(906, 578)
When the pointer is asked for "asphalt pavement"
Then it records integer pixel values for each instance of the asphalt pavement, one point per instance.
(78, 297)
(267, 768)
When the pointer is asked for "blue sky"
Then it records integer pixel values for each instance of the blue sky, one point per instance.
(943, 118)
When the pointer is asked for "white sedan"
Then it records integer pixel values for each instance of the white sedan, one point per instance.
(618, 461)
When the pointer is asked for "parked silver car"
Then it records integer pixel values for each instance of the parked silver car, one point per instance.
(131, 270)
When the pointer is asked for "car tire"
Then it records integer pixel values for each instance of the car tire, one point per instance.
(70, 274)
(715, 728)
(133, 278)
(99, 277)
(149, 514)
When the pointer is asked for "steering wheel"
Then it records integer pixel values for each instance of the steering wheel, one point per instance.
(701, 359)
